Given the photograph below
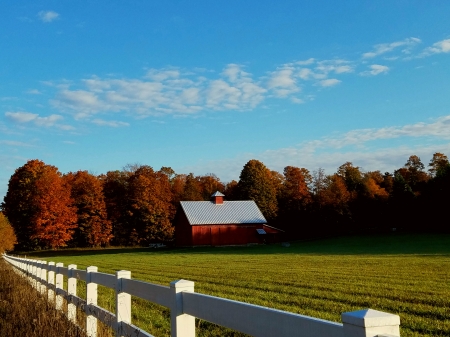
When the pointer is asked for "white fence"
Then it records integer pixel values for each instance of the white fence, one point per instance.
(185, 305)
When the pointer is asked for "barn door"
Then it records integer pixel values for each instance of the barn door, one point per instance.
(215, 236)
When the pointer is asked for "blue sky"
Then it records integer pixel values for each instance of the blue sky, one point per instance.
(205, 86)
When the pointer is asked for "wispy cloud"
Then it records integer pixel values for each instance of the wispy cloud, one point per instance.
(355, 146)
(163, 92)
(28, 117)
(179, 92)
(407, 45)
(329, 82)
(375, 69)
(34, 92)
(437, 48)
(47, 16)
(113, 124)
(14, 143)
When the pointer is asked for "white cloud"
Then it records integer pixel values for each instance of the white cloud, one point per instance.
(354, 146)
(163, 92)
(437, 48)
(383, 48)
(306, 62)
(34, 92)
(113, 124)
(329, 82)
(305, 73)
(47, 16)
(28, 117)
(161, 75)
(283, 82)
(21, 117)
(178, 92)
(336, 66)
(297, 100)
(375, 69)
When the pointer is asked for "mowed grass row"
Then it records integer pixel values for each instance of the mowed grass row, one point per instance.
(408, 275)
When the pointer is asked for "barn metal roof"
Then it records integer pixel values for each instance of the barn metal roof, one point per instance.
(230, 212)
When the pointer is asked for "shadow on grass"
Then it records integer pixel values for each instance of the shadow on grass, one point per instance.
(382, 244)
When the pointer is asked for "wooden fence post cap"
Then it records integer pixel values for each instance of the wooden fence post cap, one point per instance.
(181, 284)
(370, 318)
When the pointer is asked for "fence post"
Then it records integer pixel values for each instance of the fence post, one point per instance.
(59, 285)
(37, 275)
(181, 325)
(71, 291)
(33, 273)
(370, 323)
(91, 298)
(43, 277)
(123, 302)
(51, 282)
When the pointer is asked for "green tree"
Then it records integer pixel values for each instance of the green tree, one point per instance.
(256, 182)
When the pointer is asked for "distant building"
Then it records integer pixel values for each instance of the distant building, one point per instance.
(220, 223)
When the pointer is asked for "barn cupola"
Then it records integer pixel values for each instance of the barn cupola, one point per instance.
(217, 198)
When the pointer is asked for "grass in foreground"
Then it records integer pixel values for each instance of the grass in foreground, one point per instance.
(23, 312)
(408, 275)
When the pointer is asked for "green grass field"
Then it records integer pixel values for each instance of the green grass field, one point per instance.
(408, 275)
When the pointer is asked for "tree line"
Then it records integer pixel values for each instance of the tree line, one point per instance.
(137, 205)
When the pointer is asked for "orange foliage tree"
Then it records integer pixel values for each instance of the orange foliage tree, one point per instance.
(151, 209)
(94, 229)
(210, 183)
(37, 205)
(7, 236)
(192, 189)
(295, 193)
(54, 219)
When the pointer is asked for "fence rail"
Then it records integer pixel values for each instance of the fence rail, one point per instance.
(185, 305)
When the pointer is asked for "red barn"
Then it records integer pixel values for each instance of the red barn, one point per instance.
(219, 223)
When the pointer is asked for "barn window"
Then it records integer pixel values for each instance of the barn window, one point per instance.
(261, 231)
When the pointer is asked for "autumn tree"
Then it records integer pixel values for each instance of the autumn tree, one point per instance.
(38, 206)
(437, 163)
(373, 185)
(209, 184)
(231, 190)
(55, 219)
(7, 236)
(94, 228)
(352, 177)
(151, 209)
(295, 194)
(18, 205)
(115, 191)
(256, 182)
(415, 176)
(294, 199)
(177, 185)
(192, 189)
